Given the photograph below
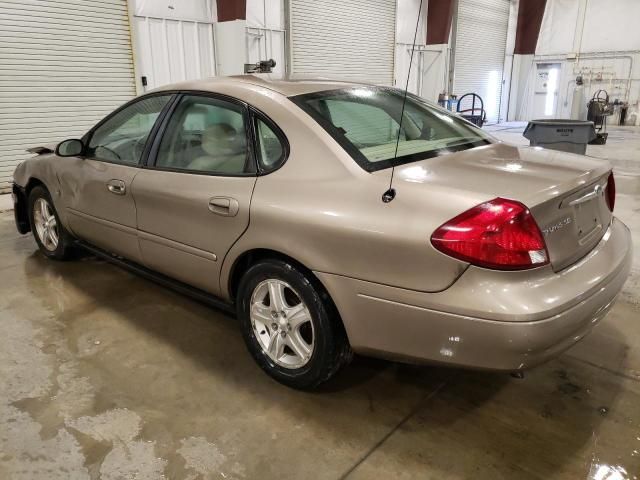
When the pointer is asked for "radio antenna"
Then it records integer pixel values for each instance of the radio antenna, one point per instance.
(390, 194)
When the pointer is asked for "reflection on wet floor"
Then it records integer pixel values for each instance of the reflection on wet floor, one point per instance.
(106, 375)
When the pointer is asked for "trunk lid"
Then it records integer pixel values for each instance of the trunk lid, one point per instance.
(574, 222)
(565, 193)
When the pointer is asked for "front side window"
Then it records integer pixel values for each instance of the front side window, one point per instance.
(366, 122)
(206, 135)
(121, 139)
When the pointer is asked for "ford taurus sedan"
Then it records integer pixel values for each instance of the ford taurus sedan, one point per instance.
(265, 198)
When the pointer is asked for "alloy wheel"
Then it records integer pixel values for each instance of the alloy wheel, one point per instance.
(46, 224)
(282, 323)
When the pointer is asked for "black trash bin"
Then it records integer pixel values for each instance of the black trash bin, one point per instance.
(559, 134)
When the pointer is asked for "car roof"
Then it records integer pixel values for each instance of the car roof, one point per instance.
(288, 86)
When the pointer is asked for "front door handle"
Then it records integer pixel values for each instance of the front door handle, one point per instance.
(117, 187)
(226, 206)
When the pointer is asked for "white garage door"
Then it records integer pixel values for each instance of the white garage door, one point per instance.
(64, 64)
(481, 40)
(341, 39)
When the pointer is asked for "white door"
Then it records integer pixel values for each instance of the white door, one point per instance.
(481, 39)
(64, 64)
(170, 50)
(545, 96)
(343, 39)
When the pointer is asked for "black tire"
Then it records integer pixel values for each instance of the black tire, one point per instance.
(331, 348)
(64, 248)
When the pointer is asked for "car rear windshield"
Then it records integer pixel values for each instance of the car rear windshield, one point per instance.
(366, 121)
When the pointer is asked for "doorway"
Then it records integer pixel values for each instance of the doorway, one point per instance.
(545, 97)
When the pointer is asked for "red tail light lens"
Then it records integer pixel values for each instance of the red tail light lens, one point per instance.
(611, 192)
(499, 234)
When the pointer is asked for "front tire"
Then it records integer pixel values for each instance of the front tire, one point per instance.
(290, 326)
(51, 237)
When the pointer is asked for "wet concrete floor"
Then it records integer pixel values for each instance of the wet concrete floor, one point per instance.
(106, 375)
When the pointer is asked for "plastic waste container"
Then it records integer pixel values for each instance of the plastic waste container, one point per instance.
(559, 134)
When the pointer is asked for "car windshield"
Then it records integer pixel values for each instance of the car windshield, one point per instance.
(366, 122)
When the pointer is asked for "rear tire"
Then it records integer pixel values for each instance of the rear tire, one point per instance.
(51, 237)
(290, 325)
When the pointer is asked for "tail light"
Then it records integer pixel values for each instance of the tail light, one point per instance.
(500, 234)
(611, 192)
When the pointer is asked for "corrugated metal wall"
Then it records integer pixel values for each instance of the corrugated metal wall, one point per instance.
(64, 64)
(346, 40)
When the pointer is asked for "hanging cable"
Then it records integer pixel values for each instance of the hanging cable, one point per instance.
(390, 194)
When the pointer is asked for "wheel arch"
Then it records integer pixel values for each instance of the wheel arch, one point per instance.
(21, 207)
(32, 183)
(249, 258)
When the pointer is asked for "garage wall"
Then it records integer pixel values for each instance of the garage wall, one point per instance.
(172, 50)
(178, 41)
(266, 36)
(201, 10)
(64, 64)
(174, 41)
(599, 39)
(406, 18)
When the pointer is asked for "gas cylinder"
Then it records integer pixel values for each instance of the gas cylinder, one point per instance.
(579, 103)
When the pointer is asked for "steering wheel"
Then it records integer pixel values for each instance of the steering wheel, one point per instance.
(138, 148)
(112, 152)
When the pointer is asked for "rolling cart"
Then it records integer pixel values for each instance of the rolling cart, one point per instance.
(597, 112)
(476, 114)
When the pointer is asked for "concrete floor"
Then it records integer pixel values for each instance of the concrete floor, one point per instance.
(106, 375)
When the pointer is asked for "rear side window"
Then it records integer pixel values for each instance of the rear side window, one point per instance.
(206, 135)
(270, 148)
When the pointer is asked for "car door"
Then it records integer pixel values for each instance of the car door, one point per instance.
(193, 197)
(100, 207)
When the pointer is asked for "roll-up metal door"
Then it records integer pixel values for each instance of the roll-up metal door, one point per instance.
(481, 40)
(64, 64)
(343, 39)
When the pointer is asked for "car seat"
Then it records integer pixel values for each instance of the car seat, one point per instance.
(225, 150)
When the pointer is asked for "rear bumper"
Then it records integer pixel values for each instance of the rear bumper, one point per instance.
(487, 319)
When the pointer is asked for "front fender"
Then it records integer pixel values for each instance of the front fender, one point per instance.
(20, 175)
(43, 169)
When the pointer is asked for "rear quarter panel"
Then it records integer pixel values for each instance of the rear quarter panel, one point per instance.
(323, 210)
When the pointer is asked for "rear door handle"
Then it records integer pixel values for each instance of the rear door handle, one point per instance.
(117, 187)
(225, 206)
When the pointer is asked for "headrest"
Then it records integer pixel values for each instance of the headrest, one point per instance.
(220, 139)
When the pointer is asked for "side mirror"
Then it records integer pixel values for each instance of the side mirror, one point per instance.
(70, 148)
